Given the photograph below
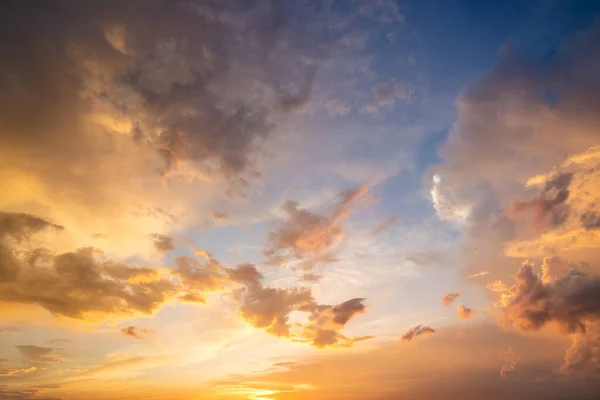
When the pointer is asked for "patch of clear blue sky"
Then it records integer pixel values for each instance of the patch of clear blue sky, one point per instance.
(452, 43)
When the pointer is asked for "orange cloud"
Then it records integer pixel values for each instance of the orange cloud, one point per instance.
(449, 298)
(17, 371)
(307, 237)
(465, 312)
(135, 332)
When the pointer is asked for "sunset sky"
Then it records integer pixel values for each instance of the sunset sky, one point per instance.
(300, 199)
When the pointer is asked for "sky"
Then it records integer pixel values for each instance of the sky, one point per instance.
(300, 199)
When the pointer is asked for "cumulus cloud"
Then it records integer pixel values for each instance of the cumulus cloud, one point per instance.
(415, 331)
(77, 284)
(528, 117)
(583, 356)
(566, 207)
(269, 308)
(308, 238)
(449, 298)
(464, 312)
(130, 109)
(135, 332)
(571, 302)
(509, 358)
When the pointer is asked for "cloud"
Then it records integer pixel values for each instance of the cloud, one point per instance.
(309, 238)
(426, 258)
(79, 284)
(21, 226)
(311, 277)
(219, 216)
(464, 312)
(478, 274)
(162, 243)
(384, 225)
(571, 302)
(415, 331)
(337, 108)
(133, 113)
(269, 308)
(565, 209)
(508, 143)
(547, 209)
(449, 298)
(135, 332)
(41, 355)
(509, 358)
(386, 95)
(497, 286)
(17, 371)
(583, 356)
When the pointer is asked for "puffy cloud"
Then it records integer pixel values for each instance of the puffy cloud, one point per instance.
(584, 354)
(415, 331)
(309, 238)
(497, 286)
(509, 358)
(269, 308)
(464, 312)
(570, 301)
(79, 284)
(134, 331)
(449, 298)
(522, 119)
(162, 243)
(566, 208)
(129, 109)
